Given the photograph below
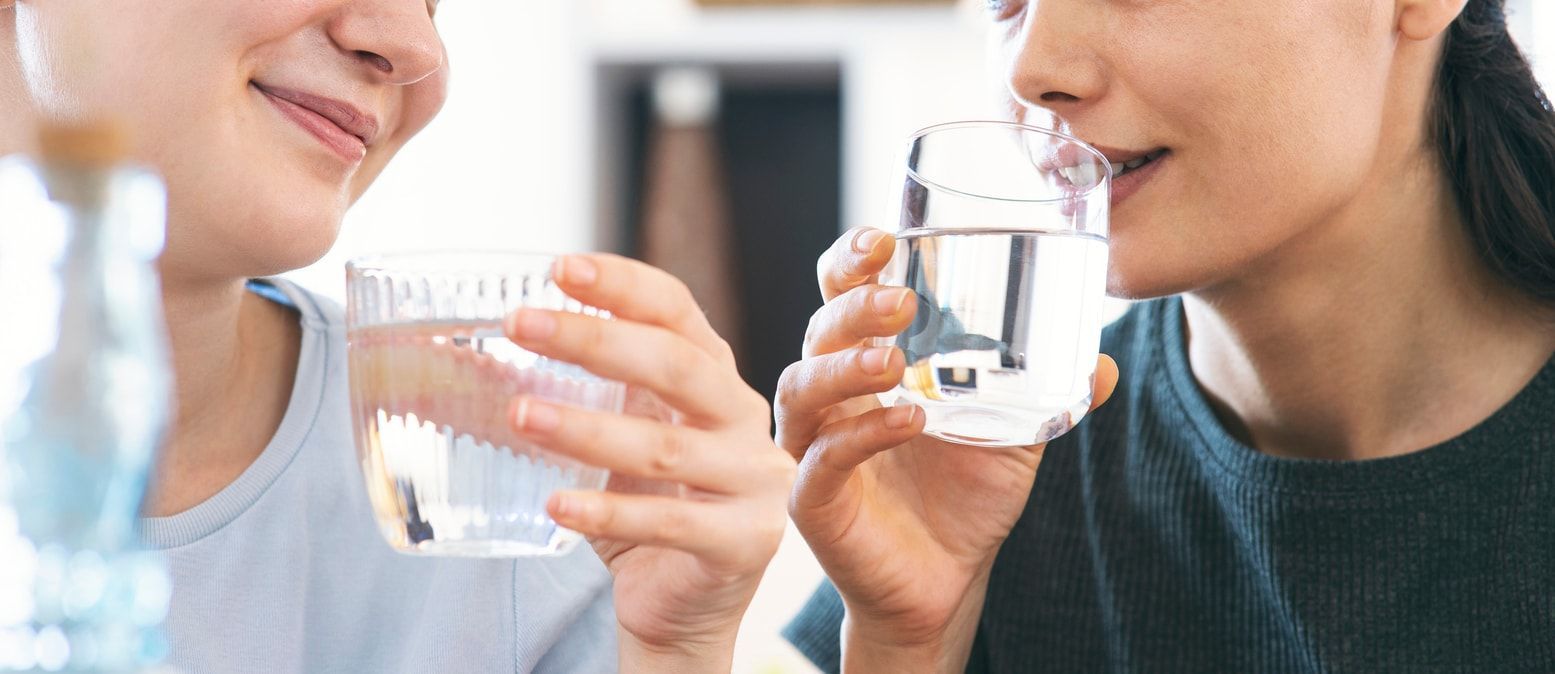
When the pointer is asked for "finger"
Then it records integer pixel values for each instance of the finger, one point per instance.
(809, 389)
(1104, 382)
(859, 314)
(703, 528)
(841, 446)
(853, 260)
(644, 448)
(635, 291)
(669, 365)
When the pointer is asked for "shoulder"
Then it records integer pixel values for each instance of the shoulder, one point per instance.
(318, 311)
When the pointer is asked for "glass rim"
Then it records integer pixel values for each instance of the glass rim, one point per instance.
(418, 261)
(988, 123)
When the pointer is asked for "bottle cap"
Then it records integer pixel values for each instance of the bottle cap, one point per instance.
(95, 145)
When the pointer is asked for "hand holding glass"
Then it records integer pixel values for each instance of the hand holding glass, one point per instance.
(1003, 236)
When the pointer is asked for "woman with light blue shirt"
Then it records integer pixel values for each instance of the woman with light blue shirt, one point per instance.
(257, 502)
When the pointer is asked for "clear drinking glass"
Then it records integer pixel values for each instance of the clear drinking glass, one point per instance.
(432, 379)
(1003, 235)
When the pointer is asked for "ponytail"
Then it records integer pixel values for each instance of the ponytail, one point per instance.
(1495, 132)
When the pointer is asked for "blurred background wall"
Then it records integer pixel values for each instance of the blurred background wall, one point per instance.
(552, 123)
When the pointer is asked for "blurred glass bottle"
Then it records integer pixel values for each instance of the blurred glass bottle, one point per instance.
(93, 392)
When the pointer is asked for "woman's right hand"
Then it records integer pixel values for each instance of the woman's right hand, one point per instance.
(906, 526)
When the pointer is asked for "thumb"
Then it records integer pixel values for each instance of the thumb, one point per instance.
(1104, 382)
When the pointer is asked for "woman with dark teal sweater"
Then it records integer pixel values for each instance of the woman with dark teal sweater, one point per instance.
(1331, 447)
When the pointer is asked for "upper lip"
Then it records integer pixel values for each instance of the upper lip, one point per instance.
(348, 117)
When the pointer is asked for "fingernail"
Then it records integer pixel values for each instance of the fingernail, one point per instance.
(889, 302)
(572, 507)
(535, 416)
(866, 240)
(562, 507)
(901, 416)
(874, 360)
(575, 271)
(531, 324)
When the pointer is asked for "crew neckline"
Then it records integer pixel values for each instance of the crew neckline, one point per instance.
(1490, 443)
(302, 412)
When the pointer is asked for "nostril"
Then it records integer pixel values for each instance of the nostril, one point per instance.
(376, 60)
(1059, 97)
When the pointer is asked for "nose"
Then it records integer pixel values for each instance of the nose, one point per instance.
(1054, 62)
(395, 40)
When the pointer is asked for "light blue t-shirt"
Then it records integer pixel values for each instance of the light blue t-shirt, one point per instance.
(284, 570)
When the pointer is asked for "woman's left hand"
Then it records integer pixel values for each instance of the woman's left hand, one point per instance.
(686, 563)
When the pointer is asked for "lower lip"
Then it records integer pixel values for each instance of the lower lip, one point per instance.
(341, 144)
(1126, 185)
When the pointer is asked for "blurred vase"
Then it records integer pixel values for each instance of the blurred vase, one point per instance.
(90, 403)
(685, 223)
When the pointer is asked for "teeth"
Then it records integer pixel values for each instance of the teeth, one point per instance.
(1125, 167)
(1080, 176)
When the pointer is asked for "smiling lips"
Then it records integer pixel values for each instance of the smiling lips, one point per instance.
(1131, 169)
(342, 128)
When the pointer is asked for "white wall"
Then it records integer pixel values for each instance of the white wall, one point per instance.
(1533, 25)
(504, 165)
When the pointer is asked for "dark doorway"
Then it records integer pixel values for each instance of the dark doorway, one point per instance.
(780, 146)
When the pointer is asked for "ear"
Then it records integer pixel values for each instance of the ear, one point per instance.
(1423, 19)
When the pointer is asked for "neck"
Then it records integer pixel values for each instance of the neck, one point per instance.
(234, 357)
(1378, 335)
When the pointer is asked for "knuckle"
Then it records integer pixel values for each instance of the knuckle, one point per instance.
(813, 330)
(679, 369)
(764, 536)
(578, 432)
(725, 351)
(605, 515)
(785, 386)
(684, 302)
(792, 384)
(758, 405)
(823, 265)
(590, 336)
(668, 454)
(670, 525)
(829, 454)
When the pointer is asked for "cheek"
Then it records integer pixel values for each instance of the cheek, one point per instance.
(1271, 135)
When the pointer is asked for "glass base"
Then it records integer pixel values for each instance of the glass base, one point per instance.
(560, 544)
(986, 426)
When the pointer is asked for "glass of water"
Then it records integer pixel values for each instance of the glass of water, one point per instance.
(1003, 236)
(432, 379)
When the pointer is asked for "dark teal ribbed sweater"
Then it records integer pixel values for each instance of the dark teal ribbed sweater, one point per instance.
(1156, 542)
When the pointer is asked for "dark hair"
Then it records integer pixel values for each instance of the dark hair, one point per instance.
(1495, 133)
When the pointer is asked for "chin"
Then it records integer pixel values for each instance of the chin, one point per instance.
(1147, 272)
(283, 235)
(244, 248)
(291, 248)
